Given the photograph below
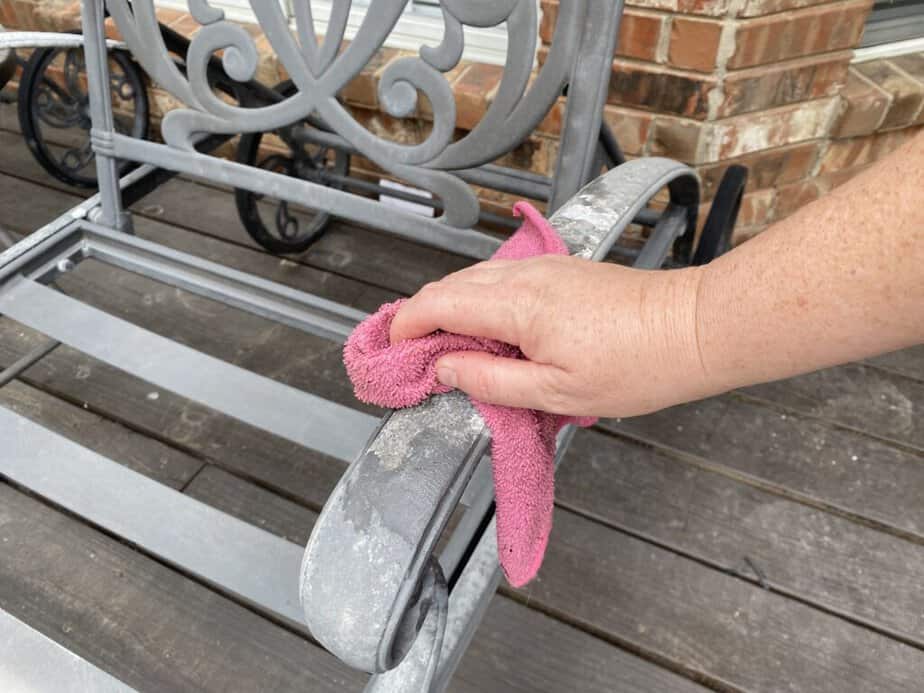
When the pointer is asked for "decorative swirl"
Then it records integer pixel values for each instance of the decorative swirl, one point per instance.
(319, 72)
(448, 54)
(204, 13)
(482, 13)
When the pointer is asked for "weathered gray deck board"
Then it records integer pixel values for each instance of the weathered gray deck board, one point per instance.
(824, 559)
(863, 397)
(292, 470)
(372, 258)
(593, 576)
(516, 649)
(908, 362)
(822, 464)
(716, 625)
(144, 455)
(866, 397)
(140, 621)
(646, 594)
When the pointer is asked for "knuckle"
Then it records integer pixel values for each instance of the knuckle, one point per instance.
(429, 289)
(485, 384)
(555, 393)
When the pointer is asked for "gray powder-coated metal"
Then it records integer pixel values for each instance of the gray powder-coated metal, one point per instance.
(31, 662)
(238, 557)
(372, 545)
(370, 587)
(298, 416)
(578, 56)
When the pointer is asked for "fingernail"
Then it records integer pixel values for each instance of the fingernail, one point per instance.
(446, 376)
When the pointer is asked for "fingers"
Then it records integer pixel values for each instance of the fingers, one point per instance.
(468, 308)
(510, 382)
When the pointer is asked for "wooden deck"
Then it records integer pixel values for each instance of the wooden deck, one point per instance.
(767, 540)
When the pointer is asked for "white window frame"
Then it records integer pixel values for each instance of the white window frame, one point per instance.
(891, 31)
(419, 25)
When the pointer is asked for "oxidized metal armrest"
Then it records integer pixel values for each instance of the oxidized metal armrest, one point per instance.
(369, 580)
(45, 39)
(10, 40)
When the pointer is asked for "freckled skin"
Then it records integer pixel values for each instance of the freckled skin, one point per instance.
(839, 280)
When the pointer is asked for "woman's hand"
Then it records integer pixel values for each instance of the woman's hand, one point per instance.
(601, 340)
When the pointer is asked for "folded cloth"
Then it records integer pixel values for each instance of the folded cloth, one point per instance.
(522, 440)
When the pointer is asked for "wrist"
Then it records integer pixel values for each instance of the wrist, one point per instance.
(673, 328)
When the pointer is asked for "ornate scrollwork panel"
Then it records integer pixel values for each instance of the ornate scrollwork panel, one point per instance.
(320, 69)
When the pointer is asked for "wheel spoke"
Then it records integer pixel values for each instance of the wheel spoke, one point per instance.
(78, 158)
(286, 224)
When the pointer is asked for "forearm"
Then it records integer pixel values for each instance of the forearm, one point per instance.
(840, 280)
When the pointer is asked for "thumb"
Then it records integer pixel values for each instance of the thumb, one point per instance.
(505, 381)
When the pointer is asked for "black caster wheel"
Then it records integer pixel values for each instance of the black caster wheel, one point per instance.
(717, 230)
(280, 226)
(54, 110)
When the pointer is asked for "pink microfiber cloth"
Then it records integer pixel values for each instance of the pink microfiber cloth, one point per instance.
(523, 440)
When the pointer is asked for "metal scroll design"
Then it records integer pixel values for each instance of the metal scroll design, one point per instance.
(319, 70)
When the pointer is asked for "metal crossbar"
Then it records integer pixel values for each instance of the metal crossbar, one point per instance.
(372, 553)
(24, 651)
(298, 416)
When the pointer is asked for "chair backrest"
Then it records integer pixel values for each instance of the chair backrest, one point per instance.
(580, 57)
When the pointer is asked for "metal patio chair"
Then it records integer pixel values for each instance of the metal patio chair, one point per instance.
(370, 584)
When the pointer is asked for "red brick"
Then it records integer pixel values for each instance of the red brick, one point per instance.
(186, 25)
(167, 15)
(535, 154)
(777, 127)
(639, 34)
(112, 32)
(783, 83)
(631, 128)
(677, 138)
(712, 8)
(829, 181)
(23, 15)
(743, 233)
(835, 26)
(7, 14)
(757, 208)
(549, 17)
(52, 16)
(400, 130)
(864, 107)
(694, 43)
(766, 169)
(709, 8)
(268, 63)
(791, 197)
(913, 65)
(661, 90)
(551, 124)
(860, 151)
(759, 8)
(473, 91)
(362, 90)
(907, 93)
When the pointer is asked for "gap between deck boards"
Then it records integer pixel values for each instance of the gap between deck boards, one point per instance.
(589, 626)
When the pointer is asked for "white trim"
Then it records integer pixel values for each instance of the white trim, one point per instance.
(235, 10)
(413, 29)
(888, 50)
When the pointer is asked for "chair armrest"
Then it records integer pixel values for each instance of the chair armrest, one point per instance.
(369, 578)
(46, 39)
(10, 40)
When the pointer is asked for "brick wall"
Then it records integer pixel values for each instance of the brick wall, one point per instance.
(767, 83)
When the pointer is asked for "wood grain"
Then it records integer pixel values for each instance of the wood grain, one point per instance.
(143, 623)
